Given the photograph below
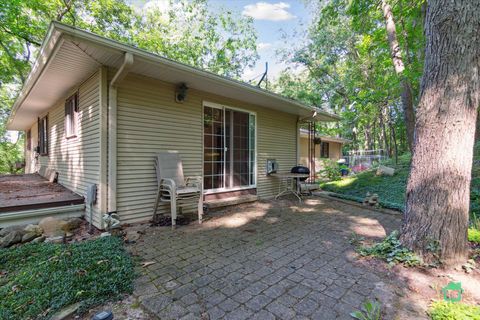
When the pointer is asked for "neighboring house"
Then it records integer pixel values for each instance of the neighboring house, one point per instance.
(315, 149)
(98, 110)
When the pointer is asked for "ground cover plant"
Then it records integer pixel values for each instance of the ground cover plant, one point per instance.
(391, 189)
(443, 310)
(474, 235)
(36, 280)
(391, 250)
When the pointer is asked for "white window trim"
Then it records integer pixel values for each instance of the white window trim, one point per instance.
(223, 106)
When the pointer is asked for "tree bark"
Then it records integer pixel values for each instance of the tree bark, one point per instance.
(383, 135)
(438, 188)
(407, 95)
(393, 135)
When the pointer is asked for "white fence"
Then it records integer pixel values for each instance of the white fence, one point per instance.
(364, 159)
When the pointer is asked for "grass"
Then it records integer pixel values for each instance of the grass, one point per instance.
(36, 280)
(443, 310)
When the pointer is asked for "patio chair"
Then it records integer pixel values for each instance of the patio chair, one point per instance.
(174, 188)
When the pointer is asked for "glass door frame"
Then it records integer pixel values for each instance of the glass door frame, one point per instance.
(223, 107)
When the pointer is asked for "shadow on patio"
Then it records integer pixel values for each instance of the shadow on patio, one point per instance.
(272, 260)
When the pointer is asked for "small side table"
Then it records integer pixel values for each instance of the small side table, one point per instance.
(289, 183)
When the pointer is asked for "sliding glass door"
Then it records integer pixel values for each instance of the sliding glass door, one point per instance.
(229, 149)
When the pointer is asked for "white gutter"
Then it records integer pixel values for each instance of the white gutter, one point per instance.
(112, 130)
(49, 49)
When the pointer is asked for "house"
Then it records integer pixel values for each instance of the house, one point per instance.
(96, 111)
(314, 148)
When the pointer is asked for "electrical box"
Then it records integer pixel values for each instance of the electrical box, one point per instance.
(272, 166)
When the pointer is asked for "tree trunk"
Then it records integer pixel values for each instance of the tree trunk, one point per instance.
(438, 188)
(368, 137)
(383, 134)
(391, 124)
(407, 95)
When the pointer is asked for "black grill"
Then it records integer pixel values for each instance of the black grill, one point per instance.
(300, 169)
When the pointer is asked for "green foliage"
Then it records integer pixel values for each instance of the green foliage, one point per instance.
(349, 69)
(475, 186)
(215, 39)
(474, 235)
(443, 310)
(330, 170)
(220, 41)
(10, 154)
(402, 161)
(40, 279)
(371, 311)
(392, 251)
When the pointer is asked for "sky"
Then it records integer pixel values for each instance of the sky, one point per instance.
(272, 19)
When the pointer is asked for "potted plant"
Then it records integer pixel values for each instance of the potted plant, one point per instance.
(344, 170)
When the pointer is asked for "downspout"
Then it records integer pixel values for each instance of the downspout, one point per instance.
(112, 130)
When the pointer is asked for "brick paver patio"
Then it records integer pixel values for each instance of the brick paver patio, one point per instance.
(269, 260)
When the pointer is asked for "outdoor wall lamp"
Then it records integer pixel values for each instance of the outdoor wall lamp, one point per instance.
(181, 93)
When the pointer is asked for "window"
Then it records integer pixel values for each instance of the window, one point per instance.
(324, 150)
(71, 116)
(43, 136)
(29, 140)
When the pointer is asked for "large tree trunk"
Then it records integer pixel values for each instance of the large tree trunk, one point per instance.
(407, 95)
(438, 188)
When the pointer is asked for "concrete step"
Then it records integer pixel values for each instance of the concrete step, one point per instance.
(218, 203)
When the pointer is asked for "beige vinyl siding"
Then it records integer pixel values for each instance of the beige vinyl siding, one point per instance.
(335, 150)
(75, 159)
(334, 153)
(149, 120)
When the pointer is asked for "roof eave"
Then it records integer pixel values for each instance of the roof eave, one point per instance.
(57, 31)
(50, 44)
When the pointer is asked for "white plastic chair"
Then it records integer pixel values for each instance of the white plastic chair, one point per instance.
(173, 187)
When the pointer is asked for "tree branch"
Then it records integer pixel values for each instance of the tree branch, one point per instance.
(20, 36)
(15, 62)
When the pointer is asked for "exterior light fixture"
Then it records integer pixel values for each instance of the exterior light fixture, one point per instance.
(181, 93)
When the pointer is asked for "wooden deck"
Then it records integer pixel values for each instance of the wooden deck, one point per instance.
(32, 191)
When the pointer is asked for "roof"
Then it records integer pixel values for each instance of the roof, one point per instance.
(304, 134)
(68, 56)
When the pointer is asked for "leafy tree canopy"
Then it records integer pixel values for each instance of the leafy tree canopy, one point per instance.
(219, 40)
(348, 69)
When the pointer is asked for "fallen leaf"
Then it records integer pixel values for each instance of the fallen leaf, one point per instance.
(148, 263)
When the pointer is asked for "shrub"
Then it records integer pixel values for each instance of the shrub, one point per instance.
(474, 235)
(330, 170)
(443, 310)
(39, 279)
(392, 251)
